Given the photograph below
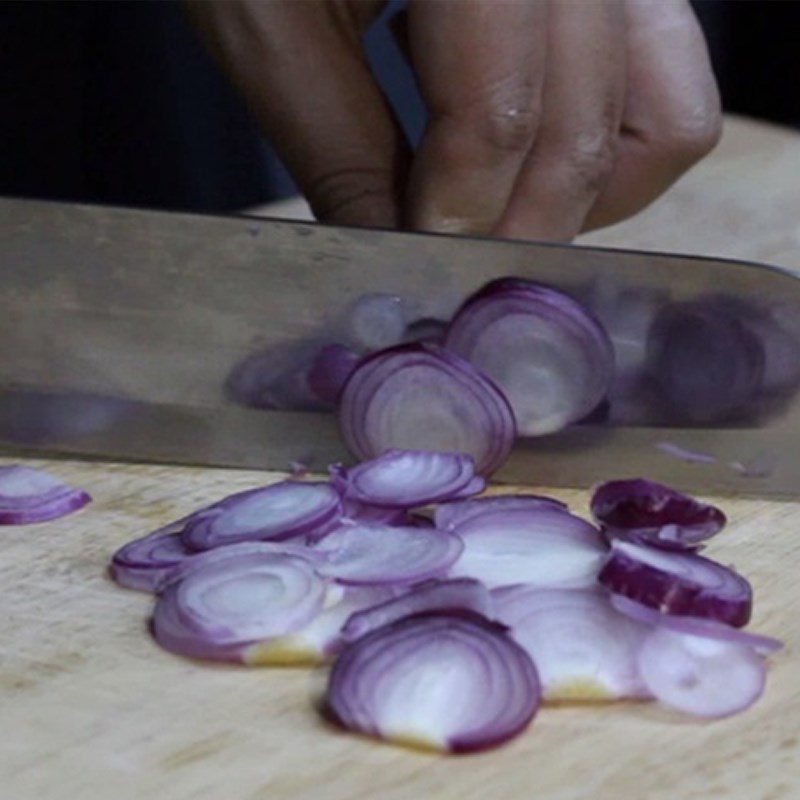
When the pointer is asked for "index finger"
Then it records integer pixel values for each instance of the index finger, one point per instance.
(481, 69)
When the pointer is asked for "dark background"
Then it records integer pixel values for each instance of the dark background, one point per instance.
(117, 102)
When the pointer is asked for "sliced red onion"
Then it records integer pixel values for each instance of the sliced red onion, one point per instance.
(332, 366)
(411, 478)
(321, 638)
(143, 563)
(369, 554)
(363, 512)
(420, 397)
(449, 515)
(29, 495)
(701, 675)
(239, 551)
(696, 626)
(543, 547)
(651, 513)
(463, 594)
(276, 512)
(548, 354)
(450, 682)
(219, 610)
(583, 648)
(678, 583)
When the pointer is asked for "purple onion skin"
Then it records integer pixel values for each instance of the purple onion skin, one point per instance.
(669, 594)
(638, 509)
(329, 372)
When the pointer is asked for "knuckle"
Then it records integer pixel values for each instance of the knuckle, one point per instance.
(689, 137)
(590, 159)
(510, 127)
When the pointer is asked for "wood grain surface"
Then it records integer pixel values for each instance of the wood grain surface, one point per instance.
(92, 709)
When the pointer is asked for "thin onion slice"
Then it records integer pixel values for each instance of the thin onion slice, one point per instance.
(319, 640)
(410, 478)
(238, 551)
(29, 495)
(451, 514)
(545, 547)
(367, 554)
(463, 594)
(678, 583)
(548, 354)
(701, 675)
(143, 563)
(219, 610)
(447, 682)
(276, 512)
(584, 650)
(650, 513)
(419, 396)
(697, 626)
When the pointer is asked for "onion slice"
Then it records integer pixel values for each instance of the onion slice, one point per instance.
(583, 648)
(544, 547)
(419, 396)
(30, 495)
(277, 512)
(464, 594)
(410, 478)
(701, 675)
(223, 607)
(678, 583)
(144, 563)
(361, 554)
(696, 626)
(449, 516)
(647, 512)
(319, 640)
(447, 682)
(548, 354)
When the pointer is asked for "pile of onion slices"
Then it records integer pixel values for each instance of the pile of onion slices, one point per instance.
(450, 618)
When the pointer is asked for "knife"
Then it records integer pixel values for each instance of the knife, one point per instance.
(120, 329)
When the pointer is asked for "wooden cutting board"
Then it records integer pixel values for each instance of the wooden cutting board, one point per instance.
(92, 709)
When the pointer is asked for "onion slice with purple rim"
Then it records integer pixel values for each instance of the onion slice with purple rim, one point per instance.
(701, 675)
(360, 554)
(548, 354)
(677, 583)
(420, 397)
(143, 563)
(319, 640)
(447, 682)
(410, 478)
(451, 514)
(695, 626)
(650, 513)
(544, 547)
(276, 512)
(462, 594)
(584, 650)
(221, 609)
(29, 495)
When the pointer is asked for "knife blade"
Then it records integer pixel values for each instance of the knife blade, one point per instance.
(120, 328)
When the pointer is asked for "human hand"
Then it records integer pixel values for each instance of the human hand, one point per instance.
(547, 117)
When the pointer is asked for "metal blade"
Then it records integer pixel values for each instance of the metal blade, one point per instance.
(119, 330)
